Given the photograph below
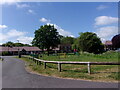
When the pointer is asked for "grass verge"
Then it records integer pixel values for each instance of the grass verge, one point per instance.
(103, 73)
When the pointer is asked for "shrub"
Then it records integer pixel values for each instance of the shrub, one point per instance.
(5, 53)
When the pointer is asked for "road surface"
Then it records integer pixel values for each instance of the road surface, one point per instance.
(14, 75)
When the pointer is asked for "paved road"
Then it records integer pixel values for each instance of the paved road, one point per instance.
(14, 75)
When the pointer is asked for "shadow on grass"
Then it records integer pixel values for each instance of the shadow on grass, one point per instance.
(104, 72)
(78, 71)
(54, 67)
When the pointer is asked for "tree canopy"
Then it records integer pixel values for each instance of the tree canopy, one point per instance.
(89, 42)
(67, 40)
(45, 37)
(12, 44)
(9, 44)
(75, 45)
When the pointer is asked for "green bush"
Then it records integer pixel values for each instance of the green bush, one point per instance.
(5, 53)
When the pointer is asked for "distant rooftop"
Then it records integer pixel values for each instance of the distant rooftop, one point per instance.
(2, 48)
(108, 43)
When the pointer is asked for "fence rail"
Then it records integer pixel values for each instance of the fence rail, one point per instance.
(38, 61)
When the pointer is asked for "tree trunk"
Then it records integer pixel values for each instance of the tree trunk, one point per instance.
(43, 50)
(48, 51)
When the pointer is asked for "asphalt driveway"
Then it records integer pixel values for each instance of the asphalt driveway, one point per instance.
(14, 75)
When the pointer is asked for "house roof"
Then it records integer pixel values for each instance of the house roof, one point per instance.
(108, 43)
(20, 48)
(32, 49)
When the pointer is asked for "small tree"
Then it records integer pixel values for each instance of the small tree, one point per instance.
(19, 44)
(75, 45)
(8, 44)
(45, 37)
(67, 40)
(89, 42)
(12, 44)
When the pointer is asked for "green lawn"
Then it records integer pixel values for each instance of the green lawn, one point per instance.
(105, 57)
(99, 72)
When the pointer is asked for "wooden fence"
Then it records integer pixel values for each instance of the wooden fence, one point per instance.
(38, 61)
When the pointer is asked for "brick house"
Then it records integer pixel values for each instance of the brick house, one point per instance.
(108, 45)
(65, 48)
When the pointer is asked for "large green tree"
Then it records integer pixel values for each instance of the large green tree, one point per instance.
(89, 42)
(45, 37)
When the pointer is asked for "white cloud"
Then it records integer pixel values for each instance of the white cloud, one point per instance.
(22, 5)
(106, 33)
(25, 39)
(3, 26)
(62, 31)
(59, 29)
(3, 37)
(31, 11)
(9, 2)
(44, 20)
(14, 2)
(14, 35)
(105, 20)
(101, 7)
(11, 34)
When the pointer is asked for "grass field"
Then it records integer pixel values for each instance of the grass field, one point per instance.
(105, 57)
(107, 73)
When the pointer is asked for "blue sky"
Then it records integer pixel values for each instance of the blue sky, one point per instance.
(20, 20)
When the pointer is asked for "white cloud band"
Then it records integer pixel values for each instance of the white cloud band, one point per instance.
(105, 20)
(3, 26)
(106, 33)
(102, 7)
(14, 35)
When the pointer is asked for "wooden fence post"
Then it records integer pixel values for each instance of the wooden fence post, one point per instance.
(89, 71)
(39, 62)
(59, 67)
(44, 65)
(33, 58)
